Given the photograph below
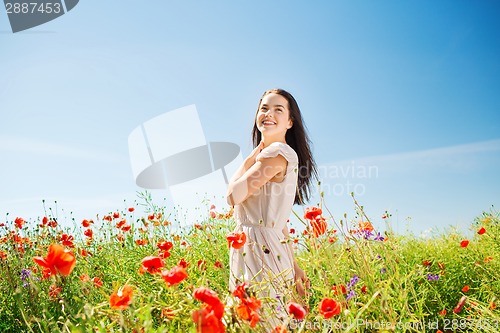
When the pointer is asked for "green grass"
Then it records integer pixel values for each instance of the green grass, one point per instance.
(402, 283)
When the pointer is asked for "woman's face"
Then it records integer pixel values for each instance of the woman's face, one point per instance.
(273, 116)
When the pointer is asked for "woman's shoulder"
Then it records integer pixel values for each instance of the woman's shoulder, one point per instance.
(281, 148)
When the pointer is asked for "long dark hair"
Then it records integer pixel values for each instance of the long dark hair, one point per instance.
(297, 138)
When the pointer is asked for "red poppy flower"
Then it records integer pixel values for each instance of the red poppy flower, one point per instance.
(210, 298)
(151, 265)
(121, 298)
(116, 215)
(365, 226)
(481, 231)
(236, 240)
(363, 289)
(183, 263)
(312, 212)
(329, 308)
(54, 291)
(247, 310)
(58, 260)
(460, 304)
(67, 240)
(19, 221)
(131, 209)
(97, 282)
(218, 264)
(174, 276)
(319, 226)
(3, 255)
(341, 288)
(241, 291)
(279, 329)
(464, 243)
(296, 310)
(88, 233)
(86, 223)
(202, 265)
(465, 289)
(84, 277)
(167, 314)
(164, 246)
(207, 322)
(121, 223)
(442, 313)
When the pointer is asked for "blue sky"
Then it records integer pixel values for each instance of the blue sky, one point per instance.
(408, 90)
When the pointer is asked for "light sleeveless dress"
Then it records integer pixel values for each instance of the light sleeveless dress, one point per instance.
(265, 261)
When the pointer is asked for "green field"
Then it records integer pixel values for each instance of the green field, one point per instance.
(382, 282)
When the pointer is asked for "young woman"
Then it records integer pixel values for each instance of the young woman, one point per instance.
(276, 174)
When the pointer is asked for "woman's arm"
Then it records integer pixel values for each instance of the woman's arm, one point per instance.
(246, 183)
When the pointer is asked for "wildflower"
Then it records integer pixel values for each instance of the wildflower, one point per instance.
(25, 275)
(210, 298)
(460, 304)
(292, 231)
(131, 209)
(319, 226)
(353, 281)
(141, 242)
(426, 263)
(54, 291)
(247, 310)
(67, 240)
(45, 220)
(88, 233)
(350, 295)
(183, 263)
(241, 291)
(121, 298)
(363, 289)
(58, 260)
(202, 265)
(383, 270)
(365, 226)
(442, 313)
(296, 310)
(84, 278)
(19, 221)
(464, 243)
(279, 329)
(218, 264)
(481, 231)
(164, 246)
(207, 322)
(465, 289)
(337, 289)
(488, 259)
(236, 240)
(151, 265)
(432, 277)
(3, 255)
(86, 223)
(174, 276)
(329, 307)
(312, 212)
(379, 237)
(167, 314)
(97, 282)
(121, 223)
(116, 215)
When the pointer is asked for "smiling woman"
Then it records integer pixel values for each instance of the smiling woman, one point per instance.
(263, 191)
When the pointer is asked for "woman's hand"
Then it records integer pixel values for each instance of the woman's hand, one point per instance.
(302, 282)
(251, 159)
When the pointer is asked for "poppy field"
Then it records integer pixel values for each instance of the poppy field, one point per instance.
(126, 271)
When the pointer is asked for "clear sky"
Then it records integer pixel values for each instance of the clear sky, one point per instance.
(401, 98)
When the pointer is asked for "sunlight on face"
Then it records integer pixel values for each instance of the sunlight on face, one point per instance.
(273, 116)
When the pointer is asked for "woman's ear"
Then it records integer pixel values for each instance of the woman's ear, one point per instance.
(290, 124)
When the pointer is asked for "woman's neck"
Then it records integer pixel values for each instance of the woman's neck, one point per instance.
(268, 141)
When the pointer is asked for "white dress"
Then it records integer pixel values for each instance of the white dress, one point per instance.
(265, 261)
